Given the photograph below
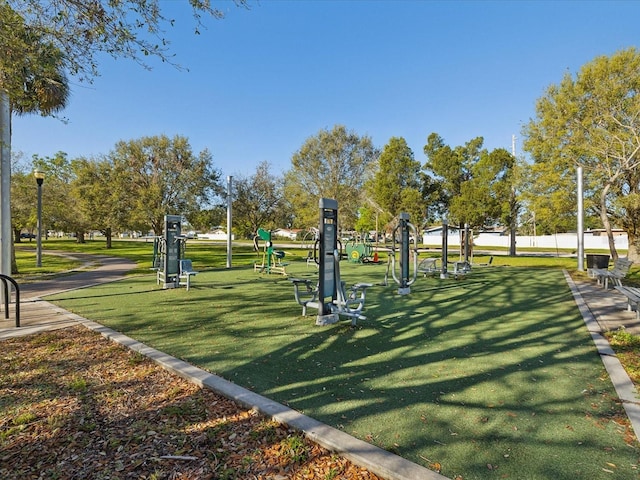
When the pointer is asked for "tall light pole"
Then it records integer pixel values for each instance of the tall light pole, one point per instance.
(39, 180)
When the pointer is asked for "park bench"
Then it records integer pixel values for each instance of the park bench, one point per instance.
(616, 274)
(186, 272)
(633, 298)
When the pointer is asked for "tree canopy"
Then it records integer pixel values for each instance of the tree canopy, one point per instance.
(395, 185)
(334, 164)
(32, 69)
(259, 202)
(593, 120)
(472, 184)
(81, 30)
(162, 176)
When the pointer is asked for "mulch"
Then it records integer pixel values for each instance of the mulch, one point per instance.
(74, 405)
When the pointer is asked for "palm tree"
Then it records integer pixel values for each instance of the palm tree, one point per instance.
(32, 80)
(32, 69)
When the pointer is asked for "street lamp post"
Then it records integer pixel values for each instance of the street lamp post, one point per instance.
(39, 180)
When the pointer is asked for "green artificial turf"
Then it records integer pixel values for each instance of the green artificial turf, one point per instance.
(490, 376)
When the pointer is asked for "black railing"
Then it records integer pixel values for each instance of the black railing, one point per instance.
(7, 296)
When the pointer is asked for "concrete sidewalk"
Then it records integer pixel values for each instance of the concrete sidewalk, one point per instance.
(37, 315)
(602, 310)
(608, 307)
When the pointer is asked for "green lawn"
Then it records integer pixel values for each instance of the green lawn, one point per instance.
(491, 376)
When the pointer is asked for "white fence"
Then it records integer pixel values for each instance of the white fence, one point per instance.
(560, 240)
(214, 236)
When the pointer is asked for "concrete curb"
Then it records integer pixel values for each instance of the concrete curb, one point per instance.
(381, 462)
(621, 382)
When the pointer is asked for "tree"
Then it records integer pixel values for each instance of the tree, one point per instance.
(81, 30)
(549, 193)
(100, 196)
(395, 186)
(334, 164)
(258, 202)
(32, 71)
(206, 218)
(60, 209)
(593, 120)
(452, 167)
(160, 176)
(23, 191)
(477, 187)
(485, 198)
(32, 80)
(40, 41)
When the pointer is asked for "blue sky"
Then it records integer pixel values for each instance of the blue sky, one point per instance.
(263, 80)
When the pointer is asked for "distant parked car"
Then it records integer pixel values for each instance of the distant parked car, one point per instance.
(27, 235)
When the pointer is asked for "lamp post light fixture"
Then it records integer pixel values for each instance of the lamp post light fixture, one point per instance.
(39, 180)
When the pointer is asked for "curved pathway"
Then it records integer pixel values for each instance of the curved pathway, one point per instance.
(38, 315)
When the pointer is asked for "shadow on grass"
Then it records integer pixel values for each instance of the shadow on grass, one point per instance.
(491, 375)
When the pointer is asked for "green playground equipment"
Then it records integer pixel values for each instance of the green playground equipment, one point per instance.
(360, 251)
(271, 259)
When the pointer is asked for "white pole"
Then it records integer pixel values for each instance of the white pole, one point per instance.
(580, 221)
(229, 220)
(5, 184)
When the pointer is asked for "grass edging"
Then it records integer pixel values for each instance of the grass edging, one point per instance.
(623, 385)
(375, 459)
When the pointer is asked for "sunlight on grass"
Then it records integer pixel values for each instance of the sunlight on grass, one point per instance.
(462, 372)
(627, 347)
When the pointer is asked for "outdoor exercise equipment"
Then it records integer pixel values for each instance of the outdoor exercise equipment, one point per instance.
(271, 259)
(404, 278)
(361, 251)
(330, 296)
(168, 251)
(461, 267)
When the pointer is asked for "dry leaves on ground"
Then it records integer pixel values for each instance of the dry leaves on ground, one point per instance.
(74, 405)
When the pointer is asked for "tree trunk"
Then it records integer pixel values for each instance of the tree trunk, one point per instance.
(605, 221)
(633, 253)
(80, 237)
(107, 234)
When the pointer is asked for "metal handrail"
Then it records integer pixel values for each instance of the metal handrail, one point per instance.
(4, 279)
